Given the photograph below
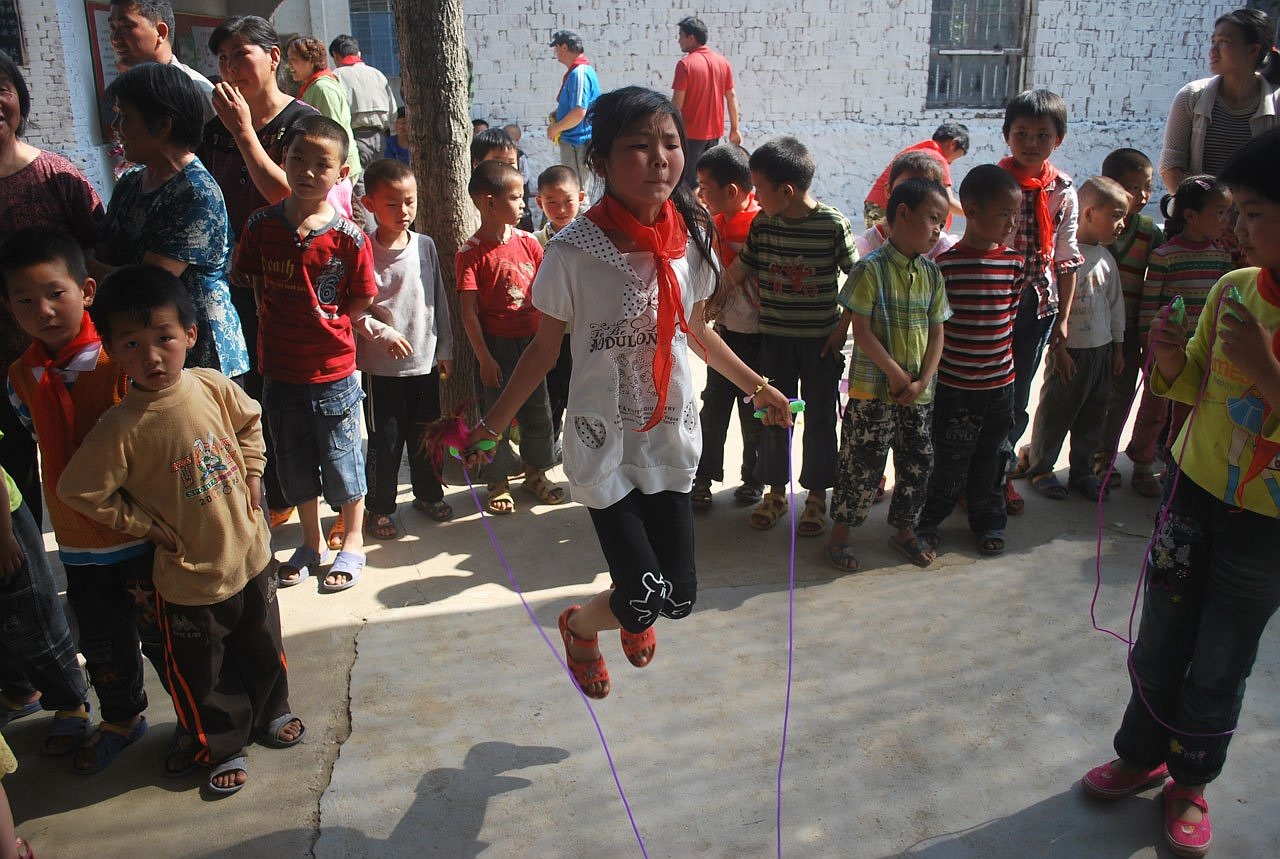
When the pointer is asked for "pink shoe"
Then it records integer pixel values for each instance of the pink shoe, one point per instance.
(1183, 837)
(1105, 783)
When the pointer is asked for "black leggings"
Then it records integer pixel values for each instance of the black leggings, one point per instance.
(648, 542)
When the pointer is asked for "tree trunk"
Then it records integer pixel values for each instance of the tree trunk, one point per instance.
(433, 63)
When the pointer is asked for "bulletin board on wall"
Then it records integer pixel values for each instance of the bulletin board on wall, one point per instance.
(11, 31)
(190, 45)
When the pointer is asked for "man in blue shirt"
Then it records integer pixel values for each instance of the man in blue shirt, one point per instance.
(569, 126)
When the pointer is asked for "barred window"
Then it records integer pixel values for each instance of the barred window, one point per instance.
(977, 50)
(374, 26)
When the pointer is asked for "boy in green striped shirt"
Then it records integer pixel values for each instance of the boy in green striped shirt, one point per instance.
(796, 250)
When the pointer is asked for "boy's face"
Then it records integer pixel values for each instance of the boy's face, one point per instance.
(508, 206)
(1103, 223)
(49, 302)
(560, 202)
(994, 220)
(152, 354)
(503, 156)
(773, 199)
(1032, 140)
(1258, 227)
(313, 166)
(394, 204)
(719, 199)
(916, 231)
(1138, 184)
(402, 129)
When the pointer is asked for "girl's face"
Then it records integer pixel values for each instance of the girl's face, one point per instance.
(247, 66)
(1258, 227)
(10, 110)
(644, 163)
(1212, 221)
(1229, 53)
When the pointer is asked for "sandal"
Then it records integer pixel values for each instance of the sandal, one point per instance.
(634, 646)
(297, 569)
(1102, 466)
(1184, 837)
(1146, 483)
(930, 536)
(767, 513)
(700, 495)
(1021, 463)
(1090, 487)
(500, 502)
(916, 550)
(276, 518)
(337, 533)
(349, 564)
(11, 709)
(271, 736)
(544, 490)
(991, 543)
(1105, 782)
(68, 731)
(842, 558)
(1014, 505)
(748, 493)
(106, 743)
(437, 511)
(380, 525)
(236, 763)
(881, 491)
(1050, 486)
(588, 672)
(813, 520)
(182, 748)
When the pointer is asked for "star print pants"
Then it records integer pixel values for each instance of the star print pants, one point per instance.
(1211, 590)
(870, 428)
(648, 542)
(115, 606)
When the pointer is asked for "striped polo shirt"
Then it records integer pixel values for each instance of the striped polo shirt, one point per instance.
(1131, 250)
(1181, 267)
(797, 263)
(983, 289)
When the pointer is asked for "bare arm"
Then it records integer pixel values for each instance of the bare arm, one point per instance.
(490, 372)
(268, 177)
(677, 98)
(1066, 294)
(731, 102)
(571, 119)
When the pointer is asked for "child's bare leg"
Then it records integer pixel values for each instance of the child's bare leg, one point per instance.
(353, 514)
(309, 516)
(906, 535)
(586, 623)
(8, 838)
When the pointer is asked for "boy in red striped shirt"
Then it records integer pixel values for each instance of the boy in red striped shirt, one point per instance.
(973, 402)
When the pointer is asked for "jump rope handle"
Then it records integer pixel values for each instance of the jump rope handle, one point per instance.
(1234, 294)
(1178, 311)
(797, 406)
(485, 444)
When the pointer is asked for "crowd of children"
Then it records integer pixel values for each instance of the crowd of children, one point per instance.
(579, 332)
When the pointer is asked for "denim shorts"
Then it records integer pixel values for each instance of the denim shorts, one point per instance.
(315, 439)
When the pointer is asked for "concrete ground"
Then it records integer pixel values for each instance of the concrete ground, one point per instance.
(944, 713)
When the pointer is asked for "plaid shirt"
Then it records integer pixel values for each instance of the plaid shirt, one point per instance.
(1064, 256)
(904, 297)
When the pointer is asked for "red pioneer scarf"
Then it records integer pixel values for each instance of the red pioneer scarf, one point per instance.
(666, 239)
(350, 60)
(323, 73)
(580, 60)
(53, 412)
(1040, 184)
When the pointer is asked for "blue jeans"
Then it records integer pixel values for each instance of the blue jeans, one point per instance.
(37, 653)
(1211, 589)
(315, 433)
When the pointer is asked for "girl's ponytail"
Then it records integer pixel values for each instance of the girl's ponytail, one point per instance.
(1194, 194)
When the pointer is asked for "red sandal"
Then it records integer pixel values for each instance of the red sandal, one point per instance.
(584, 672)
(634, 646)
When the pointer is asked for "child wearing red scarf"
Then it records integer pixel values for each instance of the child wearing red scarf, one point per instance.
(1035, 124)
(1211, 585)
(61, 386)
(632, 277)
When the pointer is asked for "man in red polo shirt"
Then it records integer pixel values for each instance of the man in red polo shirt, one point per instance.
(703, 86)
(949, 142)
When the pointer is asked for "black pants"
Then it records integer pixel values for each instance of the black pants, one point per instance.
(718, 400)
(397, 410)
(970, 429)
(227, 665)
(693, 150)
(796, 367)
(18, 456)
(648, 543)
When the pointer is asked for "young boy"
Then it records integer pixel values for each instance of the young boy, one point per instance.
(560, 196)
(312, 272)
(494, 144)
(495, 270)
(398, 141)
(405, 348)
(180, 463)
(1078, 374)
(909, 165)
(60, 387)
(1131, 250)
(973, 403)
(1035, 124)
(897, 304)
(724, 183)
(796, 250)
(522, 164)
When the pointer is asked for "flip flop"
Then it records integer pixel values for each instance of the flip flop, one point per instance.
(842, 558)
(914, 550)
(230, 765)
(350, 564)
(381, 526)
(271, 736)
(13, 710)
(437, 511)
(1050, 486)
(1091, 488)
(68, 724)
(182, 743)
(300, 562)
(107, 742)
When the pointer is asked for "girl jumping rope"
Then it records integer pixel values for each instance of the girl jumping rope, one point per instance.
(632, 277)
(1212, 582)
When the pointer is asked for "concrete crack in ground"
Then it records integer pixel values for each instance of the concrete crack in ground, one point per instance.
(339, 734)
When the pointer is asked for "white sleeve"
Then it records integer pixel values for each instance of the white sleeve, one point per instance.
(552, 292)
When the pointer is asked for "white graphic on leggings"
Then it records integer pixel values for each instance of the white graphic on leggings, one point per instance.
(654, 583)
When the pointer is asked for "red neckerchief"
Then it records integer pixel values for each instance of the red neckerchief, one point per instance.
(323, 73)
(1264, 451)
(351, 60)
(1040, 184)
(53, 412)
(733, 229)
(580, 60)
(666, 239)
